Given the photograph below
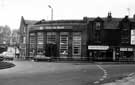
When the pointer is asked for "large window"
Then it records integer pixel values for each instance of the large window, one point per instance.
(24, 40)
(76, 44)
(98, 25)
(32, 43)
(40, 43)
(51, 37)
(64, 43)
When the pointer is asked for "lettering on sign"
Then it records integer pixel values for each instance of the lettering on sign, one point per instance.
(54, 27)
(126, 49)
(98, 47)
(132, 37)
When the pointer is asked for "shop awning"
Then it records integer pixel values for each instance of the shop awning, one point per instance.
(97, 47)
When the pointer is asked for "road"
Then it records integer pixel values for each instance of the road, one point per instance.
(46, 73)
(43, 73)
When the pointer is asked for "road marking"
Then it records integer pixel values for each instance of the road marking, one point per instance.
(131, 74)
(103, 77)
(96, 82)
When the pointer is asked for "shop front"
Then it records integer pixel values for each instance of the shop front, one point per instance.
(126, 54)
(100, 53)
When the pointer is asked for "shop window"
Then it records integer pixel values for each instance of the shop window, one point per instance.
(40, 43)
(76, 43)
(64, 43)
(51, 37)
(32, 43)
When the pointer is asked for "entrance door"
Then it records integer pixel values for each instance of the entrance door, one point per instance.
(76, 45)
(109, 55)
(64, 45)
(51, 47)
(51, 50)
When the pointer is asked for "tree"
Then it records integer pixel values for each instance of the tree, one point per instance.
(5, 34)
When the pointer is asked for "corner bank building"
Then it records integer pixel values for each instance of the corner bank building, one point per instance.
(61, 39)
(92, 39)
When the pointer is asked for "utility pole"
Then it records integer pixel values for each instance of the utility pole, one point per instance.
(128, 9)
(51, 11)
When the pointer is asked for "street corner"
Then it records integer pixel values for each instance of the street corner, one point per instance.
(129, 80)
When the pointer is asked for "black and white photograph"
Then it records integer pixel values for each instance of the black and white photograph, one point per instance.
(67, 42)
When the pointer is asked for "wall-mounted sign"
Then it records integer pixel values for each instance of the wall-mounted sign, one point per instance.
(126, 49)
(94, 47)
(132, 37)
(52, 27)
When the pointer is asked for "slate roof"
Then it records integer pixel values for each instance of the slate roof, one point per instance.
(59, 21)
(30, 22)
(110, 24)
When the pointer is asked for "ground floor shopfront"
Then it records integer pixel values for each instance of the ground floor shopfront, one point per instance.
(61, 45)
(111, 53)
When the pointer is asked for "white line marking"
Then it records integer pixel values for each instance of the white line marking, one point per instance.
(131, 74)
(101, 79)
(96, 82)
(104, 76)
(105, 72)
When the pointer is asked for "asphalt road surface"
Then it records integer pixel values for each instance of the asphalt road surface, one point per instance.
(46, 73)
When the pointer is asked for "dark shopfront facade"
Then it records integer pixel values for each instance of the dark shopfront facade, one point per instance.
(111, 39)
(60, 40)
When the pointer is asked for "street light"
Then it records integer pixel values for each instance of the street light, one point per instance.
(51, 11)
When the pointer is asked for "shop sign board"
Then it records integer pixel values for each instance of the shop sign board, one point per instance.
(96, 47)
(52, 27)
(126, 49)
(132, 37)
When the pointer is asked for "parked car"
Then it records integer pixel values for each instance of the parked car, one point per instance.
(8, 55)
(1, 57)
(41, 57)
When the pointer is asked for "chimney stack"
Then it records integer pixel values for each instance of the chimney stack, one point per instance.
(109, 17)
(134, 17)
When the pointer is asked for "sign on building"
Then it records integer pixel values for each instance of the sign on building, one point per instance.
(132, 37)
(94, 47)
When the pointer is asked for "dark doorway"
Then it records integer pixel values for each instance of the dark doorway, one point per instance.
(51, 50)
(109, 55)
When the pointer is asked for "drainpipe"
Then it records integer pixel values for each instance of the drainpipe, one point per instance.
(114, 54)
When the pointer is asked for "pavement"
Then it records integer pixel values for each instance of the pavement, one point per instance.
(130, 80)
(127, 80)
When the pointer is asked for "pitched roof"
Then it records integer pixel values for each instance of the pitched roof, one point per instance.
(30, 22)
(112, 24)
(58, 21)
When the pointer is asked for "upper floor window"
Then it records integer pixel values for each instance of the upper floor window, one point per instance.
(24, 29)
(98, 25)
(24, 40)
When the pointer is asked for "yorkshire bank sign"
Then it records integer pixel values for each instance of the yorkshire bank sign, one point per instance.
(55, 27)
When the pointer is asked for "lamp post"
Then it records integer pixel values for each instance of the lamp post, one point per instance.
(51, 11)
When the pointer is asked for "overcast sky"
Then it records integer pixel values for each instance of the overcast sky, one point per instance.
(12, 10)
